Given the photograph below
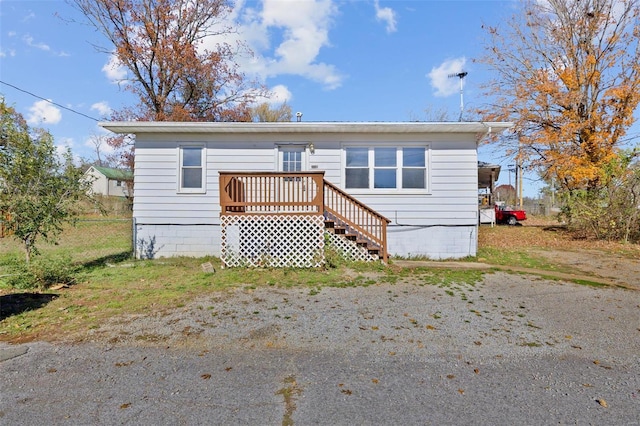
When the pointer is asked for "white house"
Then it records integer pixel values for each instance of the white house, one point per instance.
(406, 189)
(108, 181)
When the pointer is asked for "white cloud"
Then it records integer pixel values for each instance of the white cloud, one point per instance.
(30, 41)
(286, 37)
(386, 15)
(63, 143)
(440, 80)
(103, 108)
(304, 30)
(61, 150)
(43, 112)
(280, 94)
(277, 95)
(114, 70)
(29, 16)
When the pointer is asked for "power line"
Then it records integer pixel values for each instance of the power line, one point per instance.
(50, 101)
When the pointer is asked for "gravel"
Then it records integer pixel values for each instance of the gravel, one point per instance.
(511, 349)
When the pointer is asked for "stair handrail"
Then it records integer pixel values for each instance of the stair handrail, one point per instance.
(363, 219)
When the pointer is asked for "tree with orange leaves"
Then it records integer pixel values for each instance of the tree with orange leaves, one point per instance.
(568, 75)
(178, 60)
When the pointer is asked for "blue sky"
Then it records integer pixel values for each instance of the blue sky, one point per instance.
(332, 60)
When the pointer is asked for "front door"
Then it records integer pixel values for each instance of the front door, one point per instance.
(292, 190)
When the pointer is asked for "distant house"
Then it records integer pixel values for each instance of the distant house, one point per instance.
(109, 182)
(506, 193)
(253, 193)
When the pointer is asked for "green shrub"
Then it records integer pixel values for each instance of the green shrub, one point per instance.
(40, 273)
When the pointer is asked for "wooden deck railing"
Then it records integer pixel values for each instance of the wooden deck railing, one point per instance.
(301, 193)
(360, 218)
(271, 192)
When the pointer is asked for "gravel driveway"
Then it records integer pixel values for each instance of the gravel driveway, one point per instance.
(509, 350)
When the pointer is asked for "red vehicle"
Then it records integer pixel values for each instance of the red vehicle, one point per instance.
(509, 215)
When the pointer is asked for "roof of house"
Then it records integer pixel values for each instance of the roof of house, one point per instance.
(139, 127)
(487, 174)
(115, 174)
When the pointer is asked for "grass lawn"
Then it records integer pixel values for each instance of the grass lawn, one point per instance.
(108, 282)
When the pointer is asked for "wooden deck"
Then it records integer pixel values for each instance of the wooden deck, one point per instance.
(306, 193)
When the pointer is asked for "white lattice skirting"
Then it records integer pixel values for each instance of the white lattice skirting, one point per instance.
(272, 240)
(348, 249)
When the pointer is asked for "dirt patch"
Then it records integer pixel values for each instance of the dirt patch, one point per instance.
(613, 261)
(612, 266)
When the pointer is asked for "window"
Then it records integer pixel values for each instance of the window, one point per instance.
(291, 159)
(192, 170)
(414, 168)
(386, 168)
(357, 168)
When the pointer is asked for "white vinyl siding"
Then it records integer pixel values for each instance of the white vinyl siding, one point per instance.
(448, 204)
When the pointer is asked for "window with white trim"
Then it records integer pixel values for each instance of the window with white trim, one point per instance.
(291, 159)
(191, 169)
(386, 168)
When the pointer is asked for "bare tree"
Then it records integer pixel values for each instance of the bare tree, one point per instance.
(265, 112)
(179, 65)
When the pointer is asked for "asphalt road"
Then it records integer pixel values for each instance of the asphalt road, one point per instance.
(377, 355)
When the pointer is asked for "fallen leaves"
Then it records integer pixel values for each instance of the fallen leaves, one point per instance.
(206, 376)
(344, 390)
(602, 402)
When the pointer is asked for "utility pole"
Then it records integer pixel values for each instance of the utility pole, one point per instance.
(520, 203)
(515, 196)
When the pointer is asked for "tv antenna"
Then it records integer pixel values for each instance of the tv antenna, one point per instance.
(461, 75)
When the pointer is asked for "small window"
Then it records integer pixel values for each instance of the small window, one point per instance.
(292, 160)
(385, 169)
(357, 170)
(118, 183)
(192, 169)
(414, 168)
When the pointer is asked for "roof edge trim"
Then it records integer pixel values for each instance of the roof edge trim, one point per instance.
(140, 127)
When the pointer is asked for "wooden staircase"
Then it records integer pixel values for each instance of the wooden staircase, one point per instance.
(305, 193)
(343, 230)
(346, 216)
